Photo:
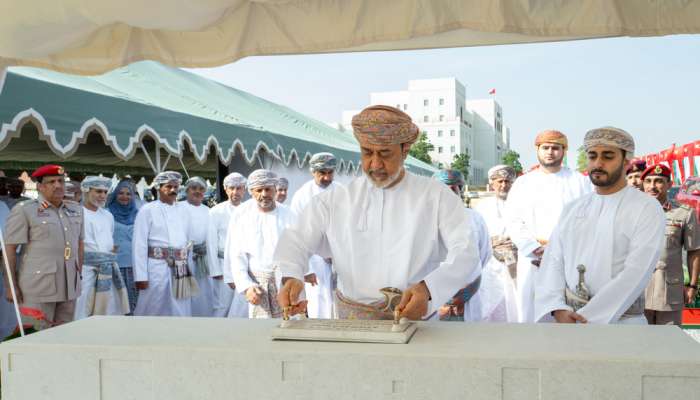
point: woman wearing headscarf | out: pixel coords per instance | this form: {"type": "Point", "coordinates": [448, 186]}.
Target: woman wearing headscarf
{"type": "Point", "coordinates": [122, 205]}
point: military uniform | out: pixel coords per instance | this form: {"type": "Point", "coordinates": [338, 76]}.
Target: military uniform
{"type": "Point", "coordinates": [664, 297]}
{"type": "Point", "coordinates": [48, 275]}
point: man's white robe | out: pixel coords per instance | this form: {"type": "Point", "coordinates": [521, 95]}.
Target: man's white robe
{"type": "Point", "coordinates": [8, 319]}
{"type": "Point", "coordinates": [497, 287]}
{"type": "Point", "coordinates": [203, 303]}
{"type": "Point", "coordinates": [158, 225]}
{"type": "Point", "coordinates": [385, 237]}
{"type": "Point", "coordinates": [532, 209]}
{"type": "Point", "coordinates": [618, 239]}
{"type": "Point", "coordinates": [472, 308]}
{"type": "Point", "coordinates": [99, 237]}
{"type": "Point", "coordinates": [227, 303]}
{"type": "Point", "coordinates": [320, 296]}
{"type": "Point", "coordinates": [252, 238]}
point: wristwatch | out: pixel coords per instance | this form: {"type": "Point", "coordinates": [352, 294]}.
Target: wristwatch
{"type": "Point", "coordinates": [692, 286]}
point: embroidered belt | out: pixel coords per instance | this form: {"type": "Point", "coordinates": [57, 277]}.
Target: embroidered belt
{"type": "Point", "coordinates": [167, 253]}
{"type": "Point", "coordinates": [577, 302]}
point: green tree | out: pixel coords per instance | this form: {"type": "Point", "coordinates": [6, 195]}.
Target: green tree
{"type": "Point", "coordinates": [422, 148]}
{"type": "Point", "coordinates": [460, 162]}
{"type": "Point", "coordinates": [581, 160]}
{"type": "Point", "coordinates": [512, 158]}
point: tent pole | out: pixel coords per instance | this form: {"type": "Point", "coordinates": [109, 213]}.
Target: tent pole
{"type": "Point", "coordinates": [11, 284]}
{"type": "Point", "coordinates": [165, 164]}
{"type": "Point", "coordinates": [187, 174]}
{"type": "Point", "coordinates": [158, 159]}
{"type": "Point", "coordinates": [148, 158]}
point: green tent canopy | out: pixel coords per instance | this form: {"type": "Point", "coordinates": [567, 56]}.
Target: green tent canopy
{"type": "Point", "coordinates": [148, 117]}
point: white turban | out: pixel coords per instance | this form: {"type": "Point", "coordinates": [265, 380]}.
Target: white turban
{"type": "Point", "coordinates": [196, 181]}
{"type": "Point", "coordinates": [322, 161]}
{"type": "Point", "coordinates": [261, 178]}
{"type": "Point", "coordinates": [502, 171]}
{"type": "Point", "coordinates": [95, 182]}
{"type": "Point", "coordinates": [282, 183]}
{"type": "Point", "coordinates": [166, 177]}
{"type": "Point", "coordinates": [609, 136]}
{"type": "Point", "coordinates": [234, 179]}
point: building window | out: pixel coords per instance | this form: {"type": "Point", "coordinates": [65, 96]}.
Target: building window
{"type": "Point", "coordinates": [452, 132]}
{"type": "Point", "coordinates": [440, 149]}
{"type": "Point", "coordinates": [405, 107]}
{"type": "Point", "coordinates": [442, 102]}
{"type": "Point", "coordinates": [452, 149]}
{"type": "Point", "coordinates": [425, 118]}
{"type": "Point", "coordinates": [398, 106]}
{"type": "Point", "coordinates": [442, 118]}
{"type": "Point", "coordinates": [425, 102]}
{"type": "Point", "coordinates": [439, 133]}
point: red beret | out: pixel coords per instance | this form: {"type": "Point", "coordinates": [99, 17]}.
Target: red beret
{"type": "Point", "coordinates": [637, 166]}
{"type": "Point", "coordinates": [47, 170]}
{"type": "Point", "coordinates": [657, 170]}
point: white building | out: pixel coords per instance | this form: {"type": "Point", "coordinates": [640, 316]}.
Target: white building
{"type": "Point", "coordinates": [440, 109]}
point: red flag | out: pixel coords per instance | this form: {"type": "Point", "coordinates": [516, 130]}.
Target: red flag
{"type": "Point", "coordinates": [492, 91]}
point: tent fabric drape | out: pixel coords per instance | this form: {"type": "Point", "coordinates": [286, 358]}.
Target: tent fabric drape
{"type": "Point", "coordinates": [108, 120]}
{"type": "Point", "coordinates": [88, 37]}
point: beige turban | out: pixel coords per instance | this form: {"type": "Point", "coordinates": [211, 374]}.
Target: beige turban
{"type": "Point", "coordinates": [261, 178]}
{"type": "Point", "coordinates": [502, 171]}
{"type": "Point", "coordinates": [551, 136]}
{"type": "Point", "coordinates": [609, 136]}
{"type": "Point", "coordinates": [383, 125]}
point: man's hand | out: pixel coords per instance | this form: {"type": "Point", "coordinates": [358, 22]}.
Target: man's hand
{"type": "Point", "coordinates": [538, 252]}
{"type": "Point", "coordinates": [8, 294]}
{"type": "Point", "coordinates": [252, 294]}
{"type": "Point", "coordinates": [218, 277]}
{"type": "Point", "coordinates": [414, 302]}
{"type": "Point", "coordinates": [289, 296]}
{"type": "Point", "coordinates": [232, 285]}
{"type": "Point", "coordinates": [690, 293]}
{"type": "Point", "coordinates": [568, 317]}
{"type": "Point", "coordinates": [311, 278]}
{"type": "Point", "coordinates": [142, 285]}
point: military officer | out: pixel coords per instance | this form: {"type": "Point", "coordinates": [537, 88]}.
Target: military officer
{"type": "Point", "coordinates": [50, 232]}
{"type": "Point", "coordinates": [665, 295]}
{"type": "Point", "coordinates": [634, 173]}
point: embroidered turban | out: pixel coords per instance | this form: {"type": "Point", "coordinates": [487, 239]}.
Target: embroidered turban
{"type": "Point", "coordinates": [234, 179]}
{"type": "Point", "coordinates": [261, 178]}
{"type": "Point", "coordinates": [95, 182]}
{"type": "Point", "coordinates": [384, 125]}
{"type": "Point", "coordinates": [551, 136]}
{"type": "Point", "coordinates": [282, 183]}
{"type": "Point", "coordinates": [167, 177]}
{"type": "Point", "coordinates": [449, 177]}
{"type": "Point", "coordinates": [322, 161]}
{"type": "Point", "coordinates": [636, 166]}
{"type": "Point", "coordinates": [609, 136]}
{"type": "Point", "coordinates": [502, 171]}
{"type": "Point", "coordinates": [196, 181]}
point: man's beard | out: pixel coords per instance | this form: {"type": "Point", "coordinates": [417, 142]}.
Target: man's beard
{"type": "Point", "coordinates": [503, 195]}
{"type": "Point", "coordinates": [555, 163]}
{"type": "Point", "coordinates": [613, 178]}
{"type": "Point", "coordinates": [97, 204]}
{"type": "Point", "coordinates": [266, 204]}
{"type": "Point", "coordinates": [387, 182]}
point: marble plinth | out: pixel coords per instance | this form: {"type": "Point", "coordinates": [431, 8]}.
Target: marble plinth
{"type": "Point", "coordinates": [126, 358]}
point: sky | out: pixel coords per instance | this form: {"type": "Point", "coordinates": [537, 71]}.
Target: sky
{"type": "Point", "coordinates": [647, 86]}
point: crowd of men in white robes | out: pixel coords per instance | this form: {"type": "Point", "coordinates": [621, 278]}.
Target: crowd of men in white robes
{"type": "Point", "coordinates": [550, 245]}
